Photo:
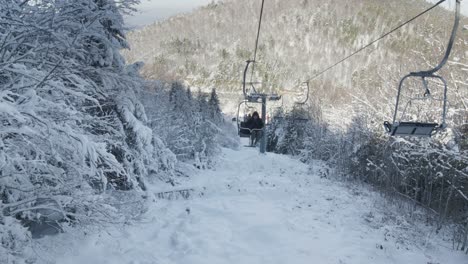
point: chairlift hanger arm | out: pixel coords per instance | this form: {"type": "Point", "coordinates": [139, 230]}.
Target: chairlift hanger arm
{"type": "Point", "coordinates": [258, 38]}
{"type": "Point", "coordinates": [244, 81]}
{"type": "Point", "coordinates": [254, 96]}
{"type": "Point", "coordinates": [307, 94]}
{"type": "Point", "coordinates": [449, 46]}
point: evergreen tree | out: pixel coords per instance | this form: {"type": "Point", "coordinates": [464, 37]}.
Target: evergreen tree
{"type": "Point", "coordinates": [178, 96]}
{"type": "Point", "coordinates": [214, 108]}
{"type": "Point", "coordinates": [202, 104]}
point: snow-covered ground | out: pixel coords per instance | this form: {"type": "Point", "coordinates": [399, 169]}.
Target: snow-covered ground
{"type": "Point", "coordinates": [266, 209]}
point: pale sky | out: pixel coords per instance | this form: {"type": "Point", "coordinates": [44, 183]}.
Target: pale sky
{"type": "Point", "coordinates": [156, 10]}
{"type": "Point", "coordinates": [450, 4]}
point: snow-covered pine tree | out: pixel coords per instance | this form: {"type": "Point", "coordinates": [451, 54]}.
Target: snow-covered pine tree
{"type": "Point", "coordinates": [275, 131]}
{"type": "Point", "coordinates": [202, 103]}
{"type": "Point", "coordinates": [214, 108]}
{"type": "Point", "coordinates": [186, 127]}
{"type": "Point", "coordinates": [71, 127]}
{"type": "Point", "coordinates": [181, 137]}
{"type": "Point", "coordinates": [207, 131]}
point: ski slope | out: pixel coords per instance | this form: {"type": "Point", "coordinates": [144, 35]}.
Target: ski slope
{"type": "Point", "coordinates": [265, 209]}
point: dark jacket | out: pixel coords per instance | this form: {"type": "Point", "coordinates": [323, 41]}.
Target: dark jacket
{"type": "Point", "coordinates": [255, 123]}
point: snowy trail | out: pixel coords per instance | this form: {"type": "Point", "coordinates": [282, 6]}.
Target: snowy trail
{"type": "Point", "coordinates": [262, 209]}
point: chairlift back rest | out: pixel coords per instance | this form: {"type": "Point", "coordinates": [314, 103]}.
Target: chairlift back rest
{"type": "Point", "coordinates": [274, 97]}
{"type": "Point", "coordinates": [243, 130]}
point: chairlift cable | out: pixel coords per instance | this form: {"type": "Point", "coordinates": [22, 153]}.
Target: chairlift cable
{"type": "Point", "coordinates": [376, 40]}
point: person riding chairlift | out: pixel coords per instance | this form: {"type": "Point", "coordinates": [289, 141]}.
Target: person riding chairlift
{"type": "Point", "coordinates": [255, 124]}
{"type": "Point", "coordinates": [247, 117]}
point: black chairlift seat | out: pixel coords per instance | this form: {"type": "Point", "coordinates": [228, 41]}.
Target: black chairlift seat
{"type": "Point", "coordinates": [274, 97]}
{"type": "Point", "coordinates": [301, 119]}
{"type": "Point", "coordinates": [412, 129]}
{"type": "Point", "coordinates": [243, 131]}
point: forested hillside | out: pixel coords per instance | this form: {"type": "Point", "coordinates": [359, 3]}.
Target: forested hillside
{"type": "Point", "coordinates": [208, 48]}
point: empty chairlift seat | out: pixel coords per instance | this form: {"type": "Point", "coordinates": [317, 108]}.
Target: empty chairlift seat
{"type": "Point", "coordinates": [412, 129]}
{"type": "Point", "coordinates": [422, 129]}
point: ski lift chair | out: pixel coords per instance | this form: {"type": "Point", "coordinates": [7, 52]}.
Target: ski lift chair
{"type": "Point", "coordinates": [304, 116]}
{"type": "Point", "coordinates": [400, 127]}
{"type": "Point", "coordinates": [242, 128]}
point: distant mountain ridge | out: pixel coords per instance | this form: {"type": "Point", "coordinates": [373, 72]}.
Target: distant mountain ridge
{"type": "Point", "coordinates": [208, 47]}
